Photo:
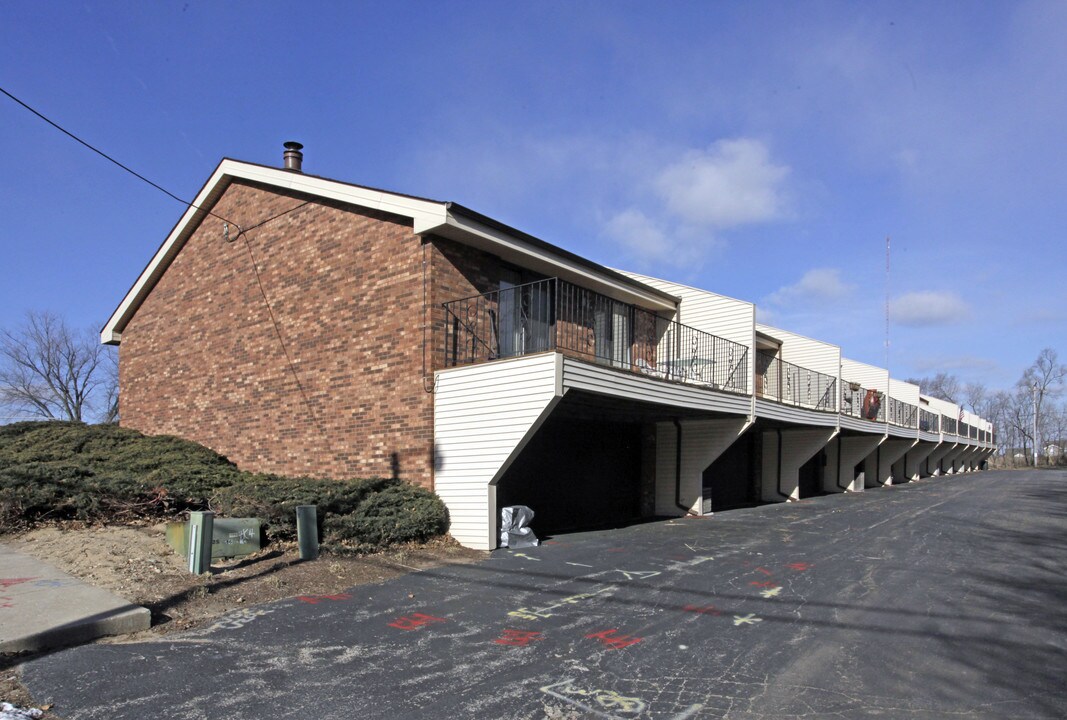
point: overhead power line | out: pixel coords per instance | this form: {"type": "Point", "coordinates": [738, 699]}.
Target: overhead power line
{"type": "Point", "coordinates": [107, 157]}
{"type": "Point", "coordinates": [241, 233]}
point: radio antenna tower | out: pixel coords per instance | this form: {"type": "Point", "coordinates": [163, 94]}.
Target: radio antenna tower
{"type": "Point", "coordinates": [887, 303]}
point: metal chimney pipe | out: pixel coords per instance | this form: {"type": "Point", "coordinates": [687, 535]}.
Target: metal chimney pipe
{"type": "Point", "coordinates": [293, 157]}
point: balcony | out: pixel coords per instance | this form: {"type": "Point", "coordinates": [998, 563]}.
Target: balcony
{"type": "Point", "coordinates": [558, 316]}
{"type": "Point", "coordinates": [929, 421]}
{"type": "Point", "coordinates": [863, 403]}
{"type": "Point", "coordinates": [785, 382]}
{"type": "Point", "coordinates": [902, 414]}
{"type": "Point", "coordinates": [948, 425]}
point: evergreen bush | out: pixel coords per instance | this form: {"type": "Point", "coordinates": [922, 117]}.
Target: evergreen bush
{"type": "Point", "coordinates": [104, 473]}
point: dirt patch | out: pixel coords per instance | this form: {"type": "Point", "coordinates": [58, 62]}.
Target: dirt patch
{"type": "Point", "coordinates": [136, 563]}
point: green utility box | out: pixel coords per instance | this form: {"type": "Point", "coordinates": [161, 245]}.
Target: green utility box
{"type": "Point", "coordinates": [231, 537]}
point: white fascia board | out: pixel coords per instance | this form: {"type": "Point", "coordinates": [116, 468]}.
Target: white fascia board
{"type": "Point", "coordinates": [111, 335]}
{"type": "Point", "coordinates": [423, 214]}
{"type": "Point", "coordinates": [471, 232]}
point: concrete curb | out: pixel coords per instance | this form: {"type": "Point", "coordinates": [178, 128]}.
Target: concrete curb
{"type": "Point", "coordinates": [42, 607]}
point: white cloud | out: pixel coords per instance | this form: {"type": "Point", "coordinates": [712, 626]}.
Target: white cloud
{"type": "Point", "coordinates": [731, 183]}
{"type": "Point", "coordinates": [818, 287]}
{"type": "Point", "coordinates": [638, 234]}
{"type": "Point", "coordinates": [928, 308]}
{"type": "Point", "coordinates": [694, 198]}
{"type": "Point", "coordinates": [647, 242]}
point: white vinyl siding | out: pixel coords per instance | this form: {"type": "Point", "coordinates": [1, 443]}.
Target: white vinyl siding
{"type": "Point", "coordinates": [854, 449]}
{"type": "Point", "coordinates": [605, 381]}
{"type": "Point", "coordinates": [702, 442]}
{"type": "Point", "coordinates": [483, 416]}
{"type": "Point", "coordinates": [904, 391]}
{"type": "Point", "coordinates": [716, 314]}
{"type": "Point", "coordinates": [771, 410]}
{"type": "Point", "coordinates": [805, 352]}
{"type": "Point", "coordinates": [798, 446]}
{"type": "Point", "coordinates": [869, 376]}
{"type": "Point", "coordinates": [947, 409]}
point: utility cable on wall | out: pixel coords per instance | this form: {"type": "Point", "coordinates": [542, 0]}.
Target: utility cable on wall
{"type": "Point", "coordinates": [241, 233]}
{"type": "Point", "coordinates": [277, 327]}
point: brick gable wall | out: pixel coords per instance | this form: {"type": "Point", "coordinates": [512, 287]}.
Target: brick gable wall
{"type": "Point", "coordinates": [202, 359]}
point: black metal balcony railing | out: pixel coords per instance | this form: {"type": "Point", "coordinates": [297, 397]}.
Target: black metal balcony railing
{"type": "Point", "coordinates": [902, 414]}
{"type": "Point", "coordinates": [929, 421]}
{"type": "Point", "coordinates": [557, 315]}
{"type": "Point", "coordinates": [785, 382]}
{"type": "Point", "coordinates": [948, 425]}
{"type": "Point", "coordinates": [860, 402]}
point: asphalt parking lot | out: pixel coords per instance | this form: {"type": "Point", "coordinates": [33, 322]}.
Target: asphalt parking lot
{"type": "Point", "coordinates": [942, 597]}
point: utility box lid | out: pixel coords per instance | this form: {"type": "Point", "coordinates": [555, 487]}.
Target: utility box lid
{"type": "Point", "coordinates": [230, 537]}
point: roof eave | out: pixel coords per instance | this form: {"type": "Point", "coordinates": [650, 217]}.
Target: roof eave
{"type": "Point", "coordinates": [427, 216]}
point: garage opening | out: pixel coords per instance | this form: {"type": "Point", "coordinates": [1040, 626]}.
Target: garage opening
{"type": "Point", "coordinates": [577, 473]}
{"type": "Point", "coordinates": [811, 475]}
{"type": "Point", "coordinates": [899, 470]}
{"type": "Point", "coordinates": [730, 481]}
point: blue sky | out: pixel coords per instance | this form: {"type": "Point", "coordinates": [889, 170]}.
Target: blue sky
{"type": "Point", "coordinates": [761, 150]}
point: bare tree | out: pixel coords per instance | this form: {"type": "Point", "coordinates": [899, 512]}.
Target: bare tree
{"type": "Point", "coordinates": [1042, 380]}
{"type": "Point", "coordinates": [998, 412]}
{"type": "Point", "coordinates": [49, 371]}
{"type": "Point", "coordinates": [109, 390]}
{"type": "Point", "coordinates": [1020, 420]}
{"type": "Point", "coordinates": [976, 398]}
{"type": "Point", "coordinates": [944, 386]}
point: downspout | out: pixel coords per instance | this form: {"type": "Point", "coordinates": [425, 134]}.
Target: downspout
{"type": "Point", "coordinates": [778, 483]}
{"type": "Point", "coordinates": [678, 468]}
{"type": "Point", "coordinates": [844, 488]}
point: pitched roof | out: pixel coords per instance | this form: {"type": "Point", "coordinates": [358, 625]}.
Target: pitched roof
{"type": "Point", "coordinates": [436, 217]}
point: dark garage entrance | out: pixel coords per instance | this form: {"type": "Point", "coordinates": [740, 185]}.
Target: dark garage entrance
{"type": "Point", "coordinates": [579, 471]}
{"type": "Point", "coordinates": [811, 475]}
{"type": "Point", "coordinates": [731, 481]}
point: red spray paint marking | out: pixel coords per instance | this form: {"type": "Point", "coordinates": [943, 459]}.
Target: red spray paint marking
{"type": "Point", "coordinates": [616, 642]}
{"type": "Point", "coordinates": [702, 609]}
{"type": "Point", "coordinates": [6, 602]}
{"type": "Point", "coordinates": [414, 621]}
{"type": "Point", "coordinates": [517, 638]}
{"type": "Point", "coordinates": [316, 599]}
{"type": "Point", "coordinates": [764, 584]}
{"type": "Point", "coordinates": [799, 566]}
{"type": "Point", "coordinates": [5, 583]}
{"type": "Point", "coordinates": [763, 570]}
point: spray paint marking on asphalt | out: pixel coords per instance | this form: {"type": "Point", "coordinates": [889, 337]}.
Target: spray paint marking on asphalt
{"type": "Point", "coordinates": [415, 621]}
{"type": "Point", "coordinates": [316, 599]}
{"type": "Point", "coordinates": [517, 638]}
{"type": "Point", "coordinates": [613, 641]}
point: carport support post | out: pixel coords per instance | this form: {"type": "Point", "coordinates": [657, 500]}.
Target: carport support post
{"type": "Point", "coordinates": [307, 531]}
{"type": "Point", "coordinates": [201, 529]}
